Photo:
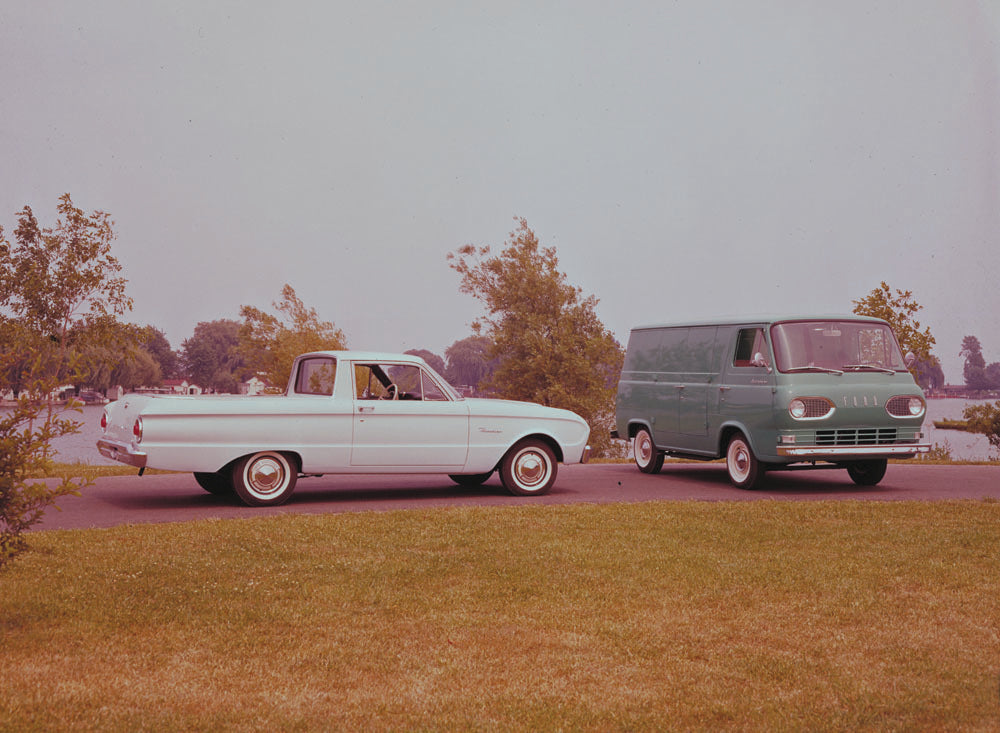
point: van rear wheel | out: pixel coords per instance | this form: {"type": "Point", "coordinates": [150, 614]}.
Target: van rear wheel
{"type": "Point", "coordinates": [647, 458]}
{"type": "Point", "coordinates": [745, 471]}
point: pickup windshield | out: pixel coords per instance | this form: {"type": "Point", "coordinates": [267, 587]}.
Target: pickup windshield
{"type": "Point", "coordinates": [835, 346]}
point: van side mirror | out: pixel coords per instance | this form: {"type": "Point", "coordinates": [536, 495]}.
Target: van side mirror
{"type": "Point", "coordinates": [910, 359]}
{"type": "Point", "coordinates": [760, 361]}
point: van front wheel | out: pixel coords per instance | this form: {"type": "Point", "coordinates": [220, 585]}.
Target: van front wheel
{"type": "Point", "coordinates": [647, 458]}
{"type": "Point", "coordinates": [745, 471]}
{"type": "Point", "coordinates": [867, 473]}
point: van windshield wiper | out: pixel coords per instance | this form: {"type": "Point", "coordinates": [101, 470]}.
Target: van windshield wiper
{"type": "Point", "coordinates": [872, 367]}
{"type": "Point", "coordinates": [813, 368]}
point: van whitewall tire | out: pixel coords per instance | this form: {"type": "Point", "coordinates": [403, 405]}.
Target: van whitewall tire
{"type": "Point", "coordinates": [647, 457]}
{"type": "Point", "coordinates": [745, 471]}
{"type": "Point", "coordinates": [264, 479]}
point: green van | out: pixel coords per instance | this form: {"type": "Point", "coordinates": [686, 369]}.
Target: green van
{"type": "Point", "coordinates": [770, 394]}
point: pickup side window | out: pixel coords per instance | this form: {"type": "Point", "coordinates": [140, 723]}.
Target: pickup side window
{"type": "Point", "coordinates": [750, 341]}
{"type": "Point", "coordinates": [395, 382]}
{"type": "Point", "coordinates": [316, 376]}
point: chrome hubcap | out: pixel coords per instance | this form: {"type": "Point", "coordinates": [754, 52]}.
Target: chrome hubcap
{"type": "Point", "coordinates": [266, 475]}
{"type": "Point", "coordinates": [530, 469]}
{"type": "Point", "coordinates": [739, 460]}
{"type": "Point", "coordinates": [644, 449]}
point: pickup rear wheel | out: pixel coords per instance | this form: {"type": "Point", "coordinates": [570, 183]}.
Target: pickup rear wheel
{"type": "Point", "coordinates": [264, 479]}
{"type": "Point", "coordinates": [745, 471]}
{"type": "Point", "coordinates": [647, 458]}
{"type": "Point", "coordinates": [529, 468]}
{"type": "Point", "coordinates": [215, 483]}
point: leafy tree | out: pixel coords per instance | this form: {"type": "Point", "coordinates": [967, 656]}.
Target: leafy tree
{"type": "Point", "coordinates": [549, 344]}
{"type": "Point", "coordinates": [469, 361]}
{"type": "Point", "coordinates": [211, 358]}
{"type": "Point", "coordinates": [269, 343]}
{"type": "Point", "coordinates": [433, 360]}
{"type": "Point", "coordinates": [60, 290]}
{"type": "Point", "coordinates": [985, 419]}
{"type": "Point", "coordinates": [900, 310]}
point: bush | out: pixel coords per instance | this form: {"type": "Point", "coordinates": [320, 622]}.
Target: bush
{"type": "Point", "coordinates": [25, 433]}
{"type": "Point", "coordinates": [985, 419]}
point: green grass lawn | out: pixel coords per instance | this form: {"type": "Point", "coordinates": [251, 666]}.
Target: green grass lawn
{"type": "Point", "coordinates": [742, 616]}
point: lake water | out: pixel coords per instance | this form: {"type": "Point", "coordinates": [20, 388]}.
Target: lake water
{"type": "Point", "coordinates": [963, 446]}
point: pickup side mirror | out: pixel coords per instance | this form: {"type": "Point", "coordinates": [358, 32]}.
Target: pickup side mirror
{"type": "Point", "coordinates": [910, 359]}
{"type": "Point", "coordinates": [760, 361]}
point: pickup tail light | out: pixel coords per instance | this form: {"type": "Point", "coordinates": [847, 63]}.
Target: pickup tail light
{"type": "Point", "coordinates": [137, 430]}
{"type": "Point", "coordinates": [104, 421]}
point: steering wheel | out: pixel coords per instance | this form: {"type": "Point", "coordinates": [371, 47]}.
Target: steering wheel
{"type": "Point", "coordinates": [391, 392]}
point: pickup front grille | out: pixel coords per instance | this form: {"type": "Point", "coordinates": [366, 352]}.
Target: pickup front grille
{"type": "Point", "coordinates": [859, 436]}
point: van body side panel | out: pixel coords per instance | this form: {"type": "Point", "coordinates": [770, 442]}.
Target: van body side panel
{"type": "Point", "coordinates": [699, 371]}
{"type": "Point", "coordinates": [646, 396]}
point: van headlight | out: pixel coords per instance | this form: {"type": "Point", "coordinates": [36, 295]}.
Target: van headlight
{"type": "Point", "coordinates": [916, 406]}
{"type": "Point", "coordinates": [810, 408]}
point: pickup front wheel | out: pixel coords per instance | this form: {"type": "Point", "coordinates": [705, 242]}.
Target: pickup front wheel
{"type": "Point", "coordinates": [264, 479]}
{"type": "Point", "coordinates": [529, 468]}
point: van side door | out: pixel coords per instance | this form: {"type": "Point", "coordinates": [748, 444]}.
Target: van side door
{"type": "Point", "coordinates": [746, 395]}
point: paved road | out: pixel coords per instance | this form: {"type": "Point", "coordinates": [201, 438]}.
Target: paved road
{"type": "Point", "coordinates": [177, 498]}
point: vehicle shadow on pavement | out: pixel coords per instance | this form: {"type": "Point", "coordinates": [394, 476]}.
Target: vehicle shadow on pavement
{"type": "Point", "coordinates": [811, 482]}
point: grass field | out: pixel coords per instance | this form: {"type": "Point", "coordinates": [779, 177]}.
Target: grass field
{"type": "Point", "coordinates": [693, 616]}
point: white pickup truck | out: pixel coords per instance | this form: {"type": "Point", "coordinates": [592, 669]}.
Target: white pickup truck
{"type": "Point", "coordinates": [344, 412]}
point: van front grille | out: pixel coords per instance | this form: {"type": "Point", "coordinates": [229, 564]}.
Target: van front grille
{"type": "Point", "coordinates": [859, 436]}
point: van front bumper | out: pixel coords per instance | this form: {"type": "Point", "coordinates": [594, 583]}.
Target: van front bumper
{"type": "Point", "coordinates": [121, 452]}
{"type": "Point", "coordinates": [849, 451]}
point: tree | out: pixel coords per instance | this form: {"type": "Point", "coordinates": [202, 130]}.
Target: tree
{"type": "Point", "coordinates": [549, 344]}
{"type": "Point", "coordinates": [469, 361]}
{"type": "Point", "coordinates": [155, 342]}
{"type": "Point", "coordinates": [900, 311]}
{"type": "Point", "coordinates": [433, 360]}
{"type": "Point", "coordinates": [975, 372]}
{"type": "Point", "coordinates": [211, 357]}
{"type": "Point", "coordinates": [269, 343]}
{"type": "Point", "coordinates": [60, 290]}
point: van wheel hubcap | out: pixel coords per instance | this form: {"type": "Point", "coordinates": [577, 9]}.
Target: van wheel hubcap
{"type": "Point", "coordinates": [739, 460]}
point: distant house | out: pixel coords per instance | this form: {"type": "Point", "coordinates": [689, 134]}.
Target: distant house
{"type": "Point", "coordinates": [180, 386]}
{"type": "Point", "coordinates": [254, 386]}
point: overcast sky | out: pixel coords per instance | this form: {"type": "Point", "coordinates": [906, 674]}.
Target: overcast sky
{"type": "Point", "coordinates": [686, 159]}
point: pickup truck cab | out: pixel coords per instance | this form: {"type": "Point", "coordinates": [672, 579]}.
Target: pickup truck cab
{"type": "Point", "coordinates": [344, 412]}
{"type": "Point", "coordinates": [771, 393]}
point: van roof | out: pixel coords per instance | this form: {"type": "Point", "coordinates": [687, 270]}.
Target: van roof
{"type": "Point", "coordinates": [761, 320]}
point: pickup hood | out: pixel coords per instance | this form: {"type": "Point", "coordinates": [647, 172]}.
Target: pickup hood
{"type": "Point", "coordinates": [481, 407]}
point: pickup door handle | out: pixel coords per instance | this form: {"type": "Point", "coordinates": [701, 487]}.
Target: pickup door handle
{"type": "Point", "coordinates": [363, 409]}
{"type": "Point", "coordinates": [724, 389]}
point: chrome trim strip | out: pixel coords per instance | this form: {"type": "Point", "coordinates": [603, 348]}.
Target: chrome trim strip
{"type": "Point", "coordinates": [820, 451]}
{"type": "Point", "coordinates": [121, 452]}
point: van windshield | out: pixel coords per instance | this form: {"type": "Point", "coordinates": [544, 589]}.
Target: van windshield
{"type": "Point", "coordinates": [835, 346]}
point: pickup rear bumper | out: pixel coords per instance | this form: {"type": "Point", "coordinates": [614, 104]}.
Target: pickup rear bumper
{"type": "Point", "coordinates": [121, 452]}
